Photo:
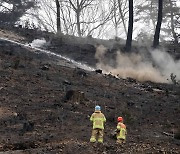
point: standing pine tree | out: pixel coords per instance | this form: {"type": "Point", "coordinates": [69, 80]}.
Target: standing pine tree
{"type": "Point", "coordinates": [130, 27]}
{"type": "Point", "coordinates": [158, 25]}
{"type": "Point", "coordinates": [148, 13]}
{"type": "Point", "coordinates": [58, 16]}
{"type": "Point", "coordinates": [12, 10]}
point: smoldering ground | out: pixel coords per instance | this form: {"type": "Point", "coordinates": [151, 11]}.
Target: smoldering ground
{"type": "Point", "coordinates": [158, 68]}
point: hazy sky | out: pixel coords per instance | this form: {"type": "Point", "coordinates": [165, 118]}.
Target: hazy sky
{"type": "Point", "coordinates": [109, 31]}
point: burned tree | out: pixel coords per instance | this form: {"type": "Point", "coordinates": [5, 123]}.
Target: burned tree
{"type": "Point", "coordinates": [130, 27]}
{"type": "Point", "coordinates": [158, 25]}
{"type": "Point", "coordinates": [58, 16]}
{"type": "Point", "coordinates": [75, 96]}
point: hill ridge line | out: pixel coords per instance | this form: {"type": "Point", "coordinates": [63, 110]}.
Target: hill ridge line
{"type": "Point", "coordinates": [77, 64]}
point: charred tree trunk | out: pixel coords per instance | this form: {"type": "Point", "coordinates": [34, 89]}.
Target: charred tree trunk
{"type": "Point", "coordinates": [130, 27]}
{"type": "Point", "coordinates": [158, 25]}
{"type": "Point", "coordinates": [78, 23]}
{"type": "Point", "coordinates": [58, 17]}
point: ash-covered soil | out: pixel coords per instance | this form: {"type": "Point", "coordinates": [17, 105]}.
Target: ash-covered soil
{"type": "Point", "coordinates": [36, 117]}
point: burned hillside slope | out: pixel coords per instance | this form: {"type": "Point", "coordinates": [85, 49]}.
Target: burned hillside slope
{"type": "Point", "coordinates": [37, 117]}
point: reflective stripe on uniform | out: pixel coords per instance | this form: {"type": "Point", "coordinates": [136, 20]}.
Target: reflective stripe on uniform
{"type": "Point", "coordinates": [100, 140]}
{"type": "Point", "coordinates": [122, 133]}
{"type": "Point", "coordinates": [93, 139]}
{"type": "Point", "coordinates": [98, 120]}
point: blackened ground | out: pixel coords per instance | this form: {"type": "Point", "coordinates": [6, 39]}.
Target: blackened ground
{"type": "Point", "coordinates": [35, 118]}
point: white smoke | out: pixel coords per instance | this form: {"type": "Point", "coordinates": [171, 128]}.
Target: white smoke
{"type": "Point", "coordinates": [38, 43]}
{"type": "Point", "coordinates": [136, 66]}
{"type": "Point", "coordinates": [101, 50]}
{"type": "Point", "coordinates": [166, 63]}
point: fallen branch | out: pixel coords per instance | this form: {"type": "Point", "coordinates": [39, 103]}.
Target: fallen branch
{"type": "Point", "coordinates": [168, 134]}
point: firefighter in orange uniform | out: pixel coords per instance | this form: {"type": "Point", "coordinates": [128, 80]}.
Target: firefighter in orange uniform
{"type": "Point", "coordinates": [98, 119]}
{"type": "Point", "coordinates": [121, 131]}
